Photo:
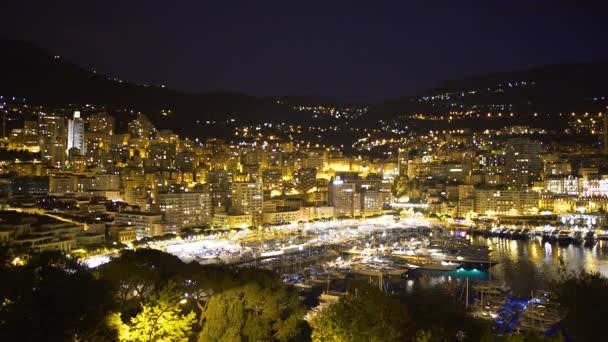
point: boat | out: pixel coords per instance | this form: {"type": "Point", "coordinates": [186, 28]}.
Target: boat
{"type": "Point", "coordinates": [377, 269]}
{"type": "Point", "coordinates": [590, 238]}
{"type": "Point", "coordinates": [504, 232]}
{"type": "Point", "coordinates": [552, 236]}
{"type": "Point", "coordinates": [577, 237]}
{"type": "Point", "coordinates": [564, 236]}
{"type": "Point", "coordinates": [525, 234]}
{"type": "Point", "coordinates": [437, 266]}
{"type": "Point", "coordinates": [491, 232]}
{"type": "Point", "coordinates": [601, 234]}
{"type": "Point", "coordinates": [515, 233]}
{"type": "Point", "coordinates": [539, 317]}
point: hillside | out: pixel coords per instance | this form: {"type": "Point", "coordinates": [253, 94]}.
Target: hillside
{"type": "Point", "coordinates": [552, 89]}
{"type": "Point", "coordinates": [42, 78]}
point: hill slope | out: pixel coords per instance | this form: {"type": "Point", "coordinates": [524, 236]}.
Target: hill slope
{"type": "Point", "coordinates": [33, 73]}
{"type": "Point", "coordinates": [553, 89]}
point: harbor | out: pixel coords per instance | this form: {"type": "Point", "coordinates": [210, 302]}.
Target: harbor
{"type": "Point", "coordinates": [502, 274]}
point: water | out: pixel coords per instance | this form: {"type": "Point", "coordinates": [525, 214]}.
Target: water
{"type": "Point", "coordinates": [546, 261]}
{"type": "Point", "coordinates": [524, 264]}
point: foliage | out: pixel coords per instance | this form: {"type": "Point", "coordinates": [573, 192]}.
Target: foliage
{"type": "Point", "coordinates": [412, 188]}
{"type": "Point", "coordinates": [261, 309]}
{"type": "Point", "coordinates": [160, 319]}
{"type": "Point", "coordinates": [584, 299]}
{"type": "Point", "coordinates": [135, 274]}
{"type": "Point", "coordinates": [490, 336]}
{"type": "Point", "coordinates": [53, 298]}
{"type": "Point", "coordinates": [522, 277]}
{"type": "Point", "coordinates": [423, 336]}
{"type": "Point", "coordinates": [165, 237]}
{"type": "Point", "coordinates": [368, 315]}
{"type": "Point", "coordinates": [440, 314]}
{"type": "Point", "coordinates": [5, 257]}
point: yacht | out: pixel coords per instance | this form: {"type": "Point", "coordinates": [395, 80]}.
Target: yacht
{"type": "Point", "coordinates": [564, 236]}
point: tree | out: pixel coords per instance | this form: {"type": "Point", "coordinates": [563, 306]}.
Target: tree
{"type": "Point", "coordinates": [367, 315]}
{"type": "Point", "coordinates": [160, 318]}
{"type": "Point", "coordinates": [490, 336]}
{"type": "Point", "coordinates": [53, 298]}
{"type": "Point", "coordinates": [135, 274]}
{"type": "Point", "coordinates": [262, 308]}
{"type": "Point", "coordinates": [423, 336]}
{"type": "Point", "coordinates": [522, 277]}
{"type": "Point", "coordinates": [584, 299]}
{"type": "Point", "coordinates": [202, 282]}
{"type": "Point", "coordinates": [442, 316]}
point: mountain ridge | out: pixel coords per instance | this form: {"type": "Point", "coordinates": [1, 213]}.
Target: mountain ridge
{"type": "Point", "coordinates": [42, 78]}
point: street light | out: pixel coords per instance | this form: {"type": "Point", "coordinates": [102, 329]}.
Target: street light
{"type": "Point", "coordinates": [181, 302]}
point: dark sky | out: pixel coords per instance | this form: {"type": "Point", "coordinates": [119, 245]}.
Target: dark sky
{"type": "Point", "coordinates": [361, 50]}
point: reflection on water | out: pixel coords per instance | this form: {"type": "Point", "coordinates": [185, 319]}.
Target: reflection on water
{"type": "Point", "coordinates": [548, 259]}
{"type": "Point", "coordinates": [523, 266]}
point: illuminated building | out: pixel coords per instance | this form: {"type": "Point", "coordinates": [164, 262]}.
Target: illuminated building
{"type": "Point", "coordinates": [316, 212]}
{"type": "Point", "coordinates": [48, 237]}
{"type": "Point", "coordinates": [53, 140]}
{"type": "Point", "coordinates": [28, 185]}
{"type": "Point", "coordinates": [522, 162]}
{"type": "Point", "coordinates": [107, 182]}
{"type": "Point", "coordinates": [227, 221]}
{"type": "Point", "coordinates": [282, 217]}
{"type": "Point", "coordinates": [146, 224]}
{"type": "Point", "coordinates": [61, 185]}
{"type": "Point", "coordinates": [305, 179]}
{"type": "Point", "coordinates": [137, 195]}
{"type": "Point", "coordinates": [53, 153]}
{"type": "Point", "coordinates": [562, 185]}
{"type": "Point", "coordinates": [122, 234]}
{"type": "Point", "coordinates": [253, 170]}
{"type": "Point", "coordinates": [595, 187]}
{"type": "Point", "coordinates": [505, 201]}
{"type": "Point", "coordinates": [247, 198]}
{"type": "Point", "coordinates": [185, 209]}
{"type": "Point", "coordinates": [167, 136]}
{"type": "Point", "coordinates": [101, 123]}
{"type": "Point", "coordinates": [161, 156]}
{"type": "Point", "coordinates": [76, 133]}
{"type": "Point", "coordinates": [371, 202]}
{"type": "Point", "coordinates": [272, 180]}
{"type": "Point", "coordinates": [558, 168]}
{"type": "Point", "coordinates": [141, 127]}
{"type": "Point", "coordinates": [343, 197]}
{"type": "Point", "coordinates": [402, 161]}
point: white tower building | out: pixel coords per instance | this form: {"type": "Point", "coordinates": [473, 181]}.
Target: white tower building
{"type": "Point", "coordinates": [76, 133]}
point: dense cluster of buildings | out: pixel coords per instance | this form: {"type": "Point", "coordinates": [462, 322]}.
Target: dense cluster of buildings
{"type": "Point", "coordinates": [472, 175]}
{"type": "Point", "coordinates": [145, 182]}
{"type": "Point", "coordinates": [158, 183]}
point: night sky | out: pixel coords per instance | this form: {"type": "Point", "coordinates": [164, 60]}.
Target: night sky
{"type": "Point", "coordinates": [356, 50]}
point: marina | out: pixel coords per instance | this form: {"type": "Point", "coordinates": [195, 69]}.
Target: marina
{"type": "Point", "coordinates": [480, 267]}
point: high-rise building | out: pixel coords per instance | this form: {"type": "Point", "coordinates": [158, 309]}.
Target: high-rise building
{"type": "Point", "coordinates": [371, 202]}
{"type": "Point", "coordinates": [503, 202]}
{"type": "Point", "coordinates": [141, 127]}
{"type": "Point", "coordinates": [305, 179]}
{"type": "Point", "coordinates": [247, 198]}
{"type": "Point", "coordinates": [101, 123]}
{"type": "Point", "coordinates": [161, 156]}
{"type": "Point", "coordinates": [185, 209]}
{"type": "Point", "coordinates": [344, 198]}
{"type": "Point", "coordinates": [522, 162]}
{"type": "Point", "coordinates": [76, 133]}
{"type": "Point", "coordinates": [402, 159]}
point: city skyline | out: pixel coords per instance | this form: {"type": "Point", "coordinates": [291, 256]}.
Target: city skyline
{"type": "Point", "coordinates": [138, 206]}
